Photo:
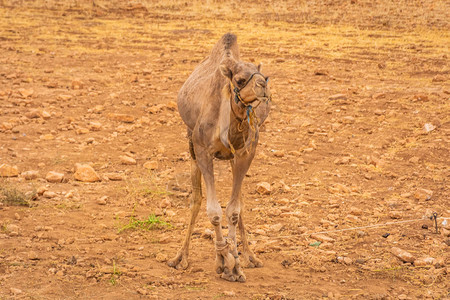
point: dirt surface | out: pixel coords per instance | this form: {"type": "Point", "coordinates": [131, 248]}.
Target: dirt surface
{"type": "Point", "coordinates": [358, 136]}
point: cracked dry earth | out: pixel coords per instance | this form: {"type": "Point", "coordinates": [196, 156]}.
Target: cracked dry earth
{"type": "Point", "coordinates": [358, 135]}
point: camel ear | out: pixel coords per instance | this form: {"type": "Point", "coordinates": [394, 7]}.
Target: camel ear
{"type": "Point", "coordinates": [226, 71]}
{"type": "Point", "coordinates": [260, 67]}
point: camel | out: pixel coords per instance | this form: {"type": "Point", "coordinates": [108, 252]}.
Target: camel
{"type": "Point", "coordinates": [223, 103]}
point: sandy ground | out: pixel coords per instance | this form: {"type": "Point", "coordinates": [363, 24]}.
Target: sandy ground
{"type": "Point", "coordinates": [358, 136]}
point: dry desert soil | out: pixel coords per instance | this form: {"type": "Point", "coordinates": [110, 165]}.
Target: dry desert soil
{"type": "Point", "coordinates": [356, 149]}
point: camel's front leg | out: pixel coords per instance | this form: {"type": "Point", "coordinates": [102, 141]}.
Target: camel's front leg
{"type": "Point", "coordinates": [226, 261]}
{"type": "Point", "coordinates": [240, 166]}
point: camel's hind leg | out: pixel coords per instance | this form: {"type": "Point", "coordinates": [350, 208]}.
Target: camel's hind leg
{"type": "Point", "coordinates": [249, 259]}
{"type": "Point", "coordinates": [180, 261]}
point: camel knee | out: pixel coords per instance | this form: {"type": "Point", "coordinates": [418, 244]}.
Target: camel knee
{"type": "Point", "coordinates": [233, 218]}
{"type": "Point", "coordinates": [214, 215]}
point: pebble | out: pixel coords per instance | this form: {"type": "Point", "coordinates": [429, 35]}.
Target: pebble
{"type": "Point", "coordinates": [423, 261]}
{"type": "Point", "coordinates": [114, 176]}
{"type": "Point", "coordinates": [423, 194]}
{"type": "Point", "coordinates": [8, 171]}
{"type": "Point", "coordinates": [395, 214]}
{"type": "Point", "coordinates": [428, 127]}
{"type": "Point", "coordinates": [322, 238]}
{"type": "Point", "coordinates": [77, 84]}
{"type": "Point", "coordinates": [165, 203]}
{"type": "Point", "coordinates": [263, 188]}
{"type": "Point", "coordinates": [151, 165]}
{"type": "Point", "coordinates": [49, 194]}
{"type": "Point", "coordinates": [161, 257]}
{"type": "Point", "coordinates": [121, 117]}
{"type": "Point", "coordinates": [54, 177]}
{"type": "Point", "coordinates": [30, 175]}
{"type": "Point", "coordinates": [403, 255]}
{"type": "Point", "coordinates": [95, 126]}
{"type": "Point", "coordinates": [32, 255]}
{"type": "Point", "coordinates": [338, 97]}
{"type": "Point", "coordinates": [102, 200]}
{"type": "Point", "coordinates": [15, 291]}
{"type": "Point", "coordinates": [85, 173]}
{"type": "Point", "coordinates": [126, 160]}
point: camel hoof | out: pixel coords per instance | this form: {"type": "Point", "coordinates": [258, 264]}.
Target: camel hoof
{"type": "Point", "coordinates": [179, 262]}
{"type": "Point", "coordinates": [250, 261]}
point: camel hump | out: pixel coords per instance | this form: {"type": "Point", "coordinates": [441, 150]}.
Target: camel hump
{"type": "Point", "coordinates": [227, 46]}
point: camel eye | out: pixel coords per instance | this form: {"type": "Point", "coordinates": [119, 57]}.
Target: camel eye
{"type": "Point", "coordinates": [240, 81]}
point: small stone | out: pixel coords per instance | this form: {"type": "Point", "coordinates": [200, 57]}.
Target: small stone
{"type": "Point", "coordinates": [102, 200]}
{"type": "Point", "coordinates": [337, 97]}
{"type": "Point", "coordinates": [32, 255]}
{"type": "Point", "coordinates": [322, 238]}
{"type": "Point", "coordinates": [114, 176]}
{"type": "Point", "coordinates": [85, 173]}
{"type": "Point", "coordinates": [15, 291]}
{"type": "Point", "coordinates": [414, 160]}
{"type": "Point", "coordinates": [95, 126]}
{"type": "Point", "coordinates": [32, 114]}
{"type": "Point", "coordinates": [421, 97]}
{"type": "Point", "coordinates": [30, 175]}
{"type": "Point", "coordinates": [54, 177]}
{"type": "Point", "coordinates": [25, 93]}
{"type": "Point", "coordinates": [121, 117]}
{"type": "Point", "coordinates": [142, 291]}
{"type": "Point", "coordinates": [423, 194]}
{"type": "Point", "coordinates": [361, 233]}
{"type": "Point", "coordinates": [263, 188]}
{"type": "Point", "coordinates": [165, 203]}
{"type": "Point", "coordinates": [47, 137]}
{"type": "Point", "coordinates": [348, 261]}
{"type": "Point", "coordinates": [423, 261]}
{"type": "Point", "coordinates": [402, 255]}
{"type": "Point", "coordinates": [98, 109]}
{"type": "Point", "coordinates": [8, 171]}
{"type": "Point", "coordinates": [348, 120]}
{"type": "Point", "coordinates": [77, 84]}
{"type": "Point", "coordinates": [17, 216]}
{"type": "Point", "coordinates": [151, 165]}
{"type": "Point", "coordinates": [428, 127]}
{"type": "Point", "coordinates": [40, 190]}
{"type": "Point", "coordinates": [45, 115]}
{"type": "Point", "coordinates": [229, 293]}
{"type": "Point", "coordinates": [395, 214]}
{"type": "Point", "coordinates": [49, 194]}
{"type": "Point", "coordinates": [278, 153]}
{"type": "Point", "coordinates": [161, 257]}
{"type": "Point", "coordinates": [126, 160]}
{"type": "Point", "coordinates": [379, 112]}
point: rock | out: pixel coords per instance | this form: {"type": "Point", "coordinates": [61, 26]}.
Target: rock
{"type": "Point", "coordinates": [102, 200]}
{"type": "Point", "coordinates": [142, 291]}
{"type": "Point", "coordinates": [161, 257]}
{"type": "Point", "coordinates": [439, 78]}
{"type": "Point", "coordinates": [30, 175]}
{"type": "Point", "coordinates": [278, 153]}
{"type": "Point", "coordinates": [15, 291]}
{"type": "Point", "coordinates": [348, 120]}
{"type": "Point", "coordinates": [230, 294]}
{"type": "Point", "coordinates": [32, 255]}
{"type": "Point", "coordinates": [322, 238]}
{"type": "Point", "coordinates": [338, 97]}
{"type": "Point", "coordinates": [414, 160]}
{"type": "Point", "coordinates": [95, 126]}
{"type": "Point", "coordinates": [64, 97]}
{"type": "Point", "coordinates": [85, 173]}
{"type": "Point", "coordinates": [151, 165]}
{"type": "Point", "coordinates": [402, 255]}
{"type": "Point", "coordinates": [165, 203]}
{"type": "Point", "coordinates": [77, 84]}
{"type": "Point", "coordinates": [121, 117]}
{"type": "Point", "coordinates": [47, 137]}
{"type": "Point", "coordinates": [423, 194]}
{"type": "Point", "coordinates": [45, 115]}
{"type": "Point", "coordinates": [41, 190]}
{"type": "Point", "coordinates": [348, 261]}
{"type": "Point", "coordinates": [395, 214]}
{"type": "Point", "coordinates": [263, 188]}
{"type": "Point", "coordinates": [423, 261]}
{"type": "Point", "coordinates": [54, 177]}
{"type": "Point", "coordinates": [428, 127]}
{"type": "Point", "coordinates": [49, 194]}
{"type": "Point", "coordinates": [126, 160]}
{"type": "Point", "coordinates": [114, 176]}
{"type": "Point", "coordinates": [421, 97]}
{"type": "Point", "coordinates": [98, 109]}
{"type": "Point", "coordinates": [8, 171]}
{"type": "Point", "coordinates": [25, 93]}
{"type": "Point", "coordinates": [379, 112]}
{"type": "Point", "coordinates": [32, 114]}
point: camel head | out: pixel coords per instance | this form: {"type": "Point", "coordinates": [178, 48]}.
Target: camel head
{"type": "Point", "coordinates": [247, 81]}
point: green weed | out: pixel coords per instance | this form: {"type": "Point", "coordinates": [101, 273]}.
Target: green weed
{"type": "Point", "coordinates": [151, 223]}
{"type": "Point", "coordinates": [115, 274]}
